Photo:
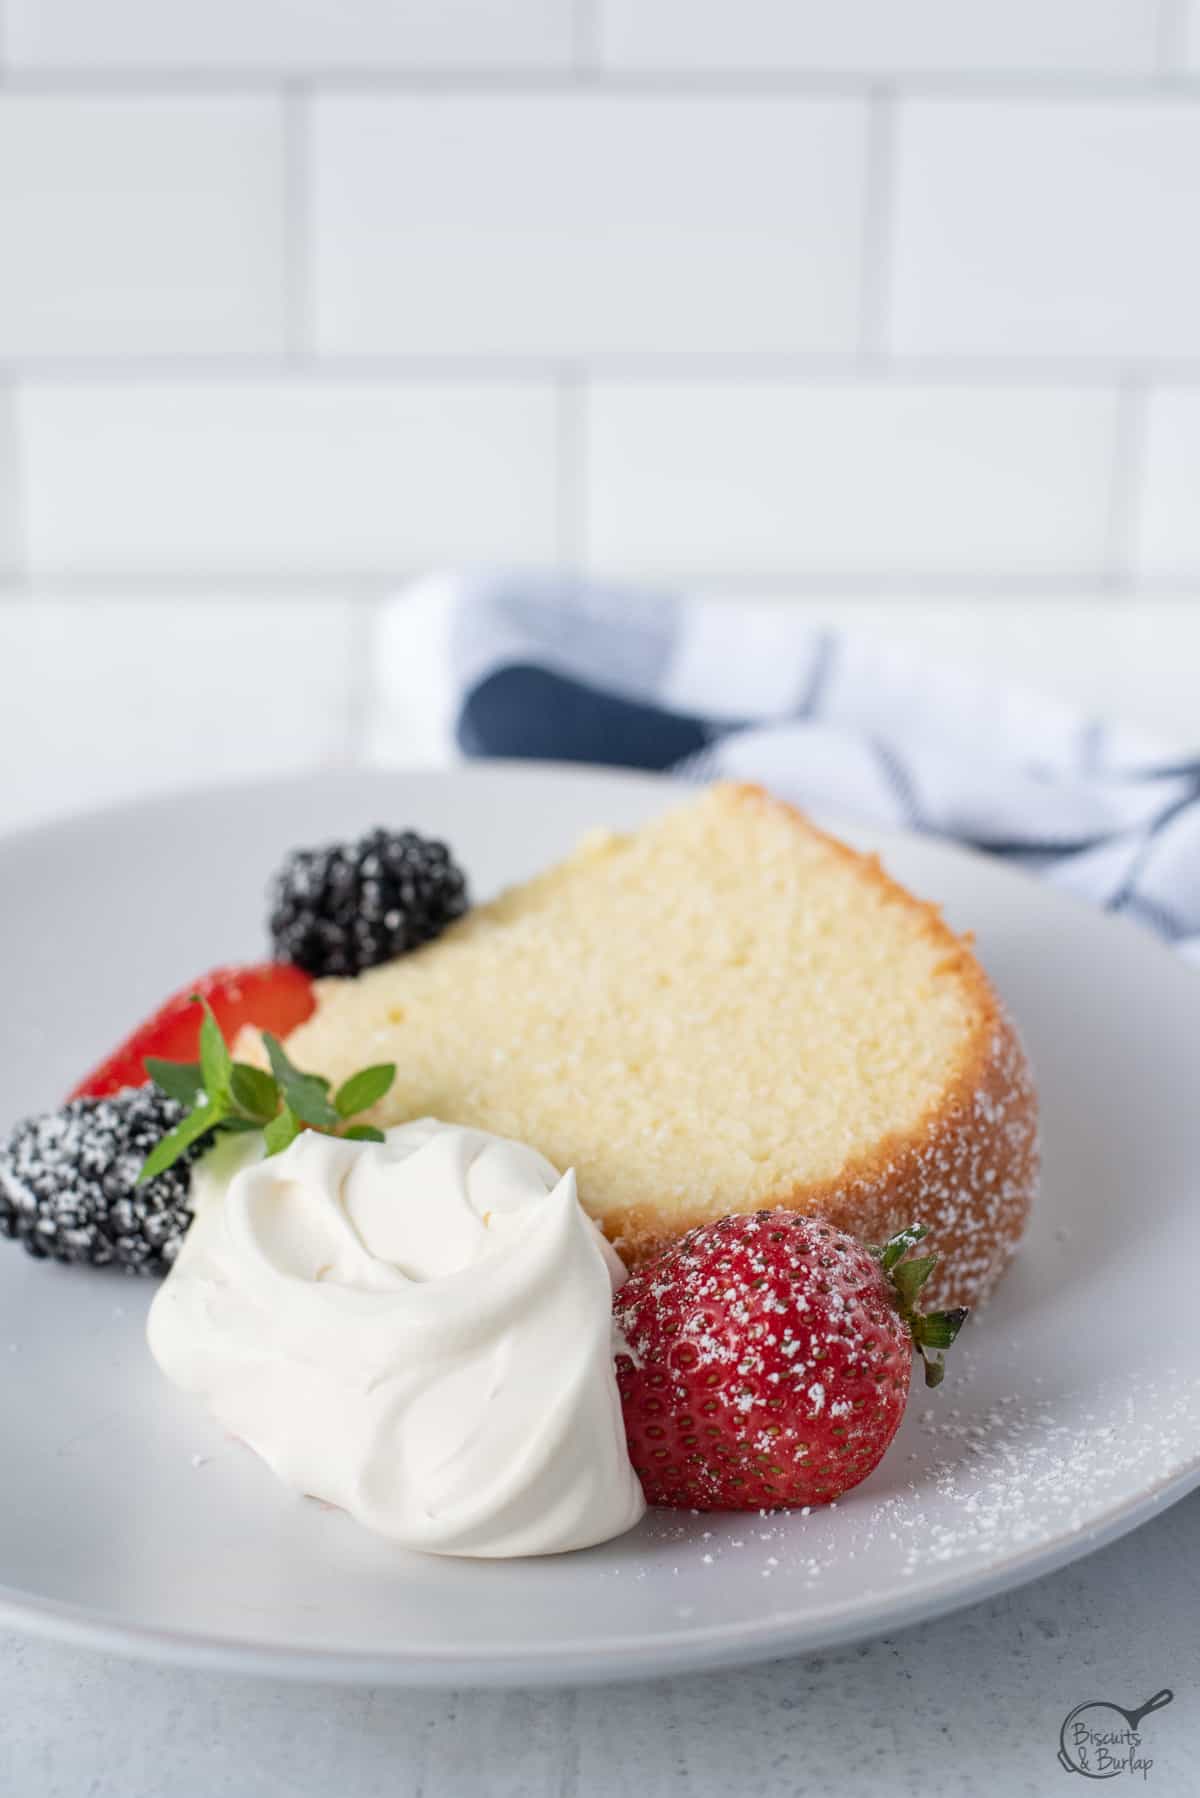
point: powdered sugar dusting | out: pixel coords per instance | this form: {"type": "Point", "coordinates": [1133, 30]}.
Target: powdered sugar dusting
{"type": "Point", "coordinates": [967, 1485]}
{"type": "Point", "coordinates": [971, 1182]}
{"type": "Point", "coordinates": [747, 1333]}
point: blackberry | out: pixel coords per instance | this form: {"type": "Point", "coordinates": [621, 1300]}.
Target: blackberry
{"type": "Point", "coordinates": [68, 1183]}
{"type": "Point", "coordinates": [350, 906]}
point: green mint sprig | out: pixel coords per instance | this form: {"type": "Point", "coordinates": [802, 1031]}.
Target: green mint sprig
{"type": "Point", "coordinates": [226, 1095]}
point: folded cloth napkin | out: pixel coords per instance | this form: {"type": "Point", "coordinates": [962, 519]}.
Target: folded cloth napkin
{"type": "Point", "coordinates": [550, 667]}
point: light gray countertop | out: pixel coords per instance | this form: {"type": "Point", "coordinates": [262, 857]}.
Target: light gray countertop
{"type": "Point", "coordinates": [973, 1702]}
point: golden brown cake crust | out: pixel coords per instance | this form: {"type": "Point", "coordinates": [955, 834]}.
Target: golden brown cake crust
{"type": "Point", "coordinates": [969, 1171]}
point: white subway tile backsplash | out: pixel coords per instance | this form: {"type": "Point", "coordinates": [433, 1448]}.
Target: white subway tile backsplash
{"type": "Point", "coordinates": [1046, 228]}
{"type": "Point", "coordinates": [722, 477]}
{"type": "Point", "coordinates": [286, 478]}
{"type": "Point", "coordinates": [879, 36]}
{"type": "Point", "coordinates": [340, 288]}
{"type": "Point", "coordinates": [567, 224]}
{"type": "Point", "coordinates": [140, 224]}
{"type": "Point", "coordinates": [1168, 523]}
{"type": "Point", "coordinates": [168, 690]}
{"type": "Point", "coordinates": [279, 34]}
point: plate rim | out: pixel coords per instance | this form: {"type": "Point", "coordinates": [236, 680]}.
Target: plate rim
{"type": "Point", "coordinates": [603, 1661]}
{"type": "Point", "coordinates": [27, 833]}
{"type": "Point", "coordinates": [615, 1658]}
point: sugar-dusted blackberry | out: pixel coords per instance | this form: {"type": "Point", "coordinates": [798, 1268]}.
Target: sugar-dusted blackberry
{"type": "Point", "coordinates": [68, 1183]}
{"type": "Point", "coordinates": [351, 906]}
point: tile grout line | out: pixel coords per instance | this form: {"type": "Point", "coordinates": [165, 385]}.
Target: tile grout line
{"type": "Point", "coordinates": [215, 79]}
{"type": "Point", "coordinates": [1171, 37]}
{"type": "Point", "coordinates": [361, 586]}
{"type": "Point", "coordinates": [586, 61]}
{"type": "Point", "coordinates": [363, 695]}
{"type": "Point", "coordinates": [1128, 480]}
{"type": "Point", "coordinates": [12, 427]}
{"type": "Point", "coordinates": [297, 222]}
{"type": "Point", "coordinates": [879, 196]}
{"type": "Point", "coordinates": [571, 468]}
{"type": "Point", "coordinates": [670, 367]}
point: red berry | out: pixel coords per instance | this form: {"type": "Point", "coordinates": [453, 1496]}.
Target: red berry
{"type": "Point", "coordinates": [770, 1362]}
{"type": "Point", "coordinates": [271, 996]}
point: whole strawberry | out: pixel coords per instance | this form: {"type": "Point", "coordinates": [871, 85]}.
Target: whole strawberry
{"type": "Point", "coordinates": [770, 1358]}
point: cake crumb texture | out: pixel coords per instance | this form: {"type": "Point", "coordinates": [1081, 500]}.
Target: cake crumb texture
{"type": "Point", "coordinates": [726, 1010]}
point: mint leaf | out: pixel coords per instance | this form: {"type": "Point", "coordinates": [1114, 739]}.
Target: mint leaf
{"type": "Point", "coordinates": [228, 1095]}
{"type": "Point", "coordinates": [281, 1131]}
{"type": "Point", "coordinates": [281, 1067]}
{"type": "Point", "coordinates": [180, 1080]}
{"type": "Point", "coordinates": [311, 1103]}
{"type": "Point", "coordinates": [254, 1090]}
{"type": "Point", "coordinates": [306, 1094]}
{"type": "Point", "coordinates": [363, 1089]}
{"type": "Point", "coordinates": [216, 1065]}
{"type": "Point", "coordinates": [166, 1153]}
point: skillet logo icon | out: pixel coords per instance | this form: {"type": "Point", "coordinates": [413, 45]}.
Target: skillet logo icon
{"type": "Point", "coordinates": [1101, 1739]}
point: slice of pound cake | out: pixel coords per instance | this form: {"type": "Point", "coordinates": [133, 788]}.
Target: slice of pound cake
{"type": "Point", "coordinates": [724, 1011]}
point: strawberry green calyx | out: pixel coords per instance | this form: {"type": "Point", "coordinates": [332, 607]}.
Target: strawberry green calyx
{"type": "Point", "coordinates": [936, 1330]}
{"type": "Point", "coordinates": [932, 1331]}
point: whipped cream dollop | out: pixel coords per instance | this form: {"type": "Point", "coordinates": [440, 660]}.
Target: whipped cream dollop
{"type": "Point", "coordinates": [418, 1330]}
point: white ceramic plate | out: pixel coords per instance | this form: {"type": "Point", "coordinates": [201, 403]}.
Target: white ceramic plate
{"type": "Point", "coordinates": [129, 1521]}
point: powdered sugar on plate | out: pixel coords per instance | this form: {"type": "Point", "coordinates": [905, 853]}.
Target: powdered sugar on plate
{"type": "Point", "coordinates": [972, 1478]}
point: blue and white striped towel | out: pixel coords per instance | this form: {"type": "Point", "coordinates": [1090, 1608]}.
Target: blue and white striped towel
{"type": "Point", "coordinates": [540, 666]}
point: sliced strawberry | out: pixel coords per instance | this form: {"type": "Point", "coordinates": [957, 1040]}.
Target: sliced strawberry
{"type": "Point", "coordinates": [271, 996]}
